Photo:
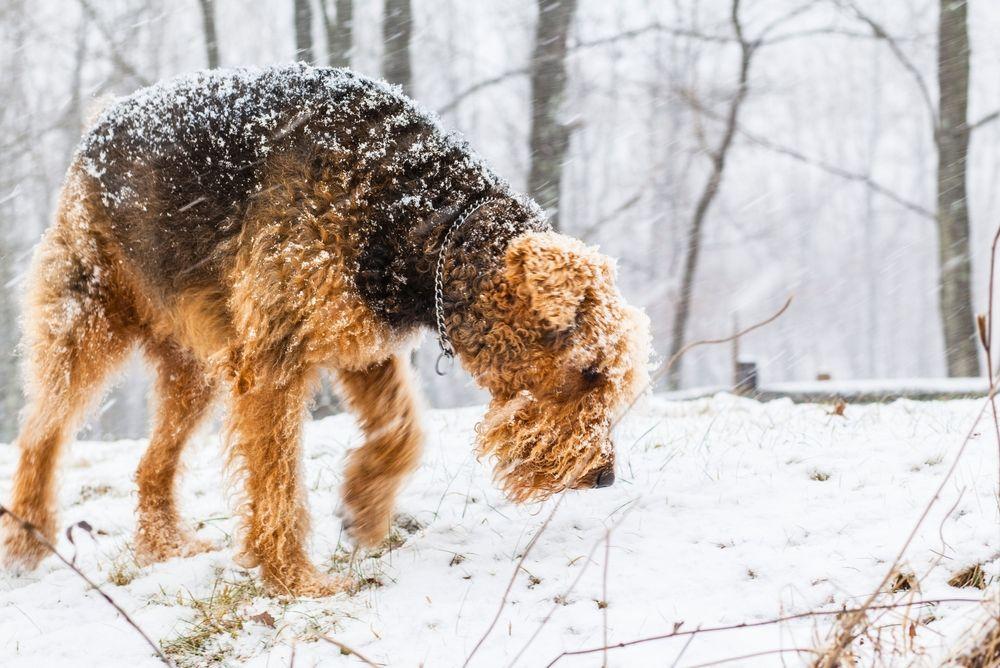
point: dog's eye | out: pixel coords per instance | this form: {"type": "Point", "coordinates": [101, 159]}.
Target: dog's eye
{"type": "Point", "coordinates": [591, 376]}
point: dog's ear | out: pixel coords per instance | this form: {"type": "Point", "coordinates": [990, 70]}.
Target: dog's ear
{"type": "Point", "coordinates": [553, 274]}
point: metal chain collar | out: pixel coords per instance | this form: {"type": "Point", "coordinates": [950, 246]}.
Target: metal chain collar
{"type": "Point", "coordinates": [447, 350]}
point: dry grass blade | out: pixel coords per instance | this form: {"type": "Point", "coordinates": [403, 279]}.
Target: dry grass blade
{"type": "Point", "coordinates": [985, 649]}
{"type": "Point", "coordinates": [971, 576]}
{"type": "Point", "coordinates": [349, 651]}
{"type": "Point", "coordinates": [33, 530]}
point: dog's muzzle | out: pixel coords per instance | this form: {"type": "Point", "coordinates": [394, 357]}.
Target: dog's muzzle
{"type": "Point", "coordinates": [605, 478]}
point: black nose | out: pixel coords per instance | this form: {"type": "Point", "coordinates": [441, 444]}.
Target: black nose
{"type": "Point", "coordinates": [605, 478]}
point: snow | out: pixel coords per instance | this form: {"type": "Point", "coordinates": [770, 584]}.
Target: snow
{"type": "Point", "coordinates": [924, 388]}
{"type": "Point", "coordinates": [726, 510]}
{"type": "Point", "coordinates": [886, 385]}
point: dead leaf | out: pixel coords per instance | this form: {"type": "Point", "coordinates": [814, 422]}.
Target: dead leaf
{"type": "Point", "coordinates": [264, 618]}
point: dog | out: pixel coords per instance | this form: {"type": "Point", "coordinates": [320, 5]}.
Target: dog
{"type": "Point", "coordinates": [250, 228]}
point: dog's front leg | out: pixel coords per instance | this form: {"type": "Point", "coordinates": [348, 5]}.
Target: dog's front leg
{"type": "Point", "coordinates": [266, 427]}
{"type": "Point", "coordinates": [384, 402]}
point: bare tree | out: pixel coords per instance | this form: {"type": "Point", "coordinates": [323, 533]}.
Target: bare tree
{"type": "Point", "coordinates": [15, 128]}
{"type": "Point", "coordinates": [549, 138]}
{"type": "Point", "coordinates": [397, 31]}
{"type": "Point", "coordinates": [208, 28]}
{"type": "Point", "coordinates": [952, 138]}
{"type": "Point", "coordinates": [126, 74]}
{"type": "Point", "coordinates": [682, 310]}
{"type": "Point", "coordinates": [303, 31]}
{"type": "Point", "coordinates": [339, 31]}
{"type": "Point", "coordinates": [951, 130]}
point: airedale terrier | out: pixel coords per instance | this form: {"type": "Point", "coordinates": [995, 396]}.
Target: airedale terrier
{"type": "Point", "coordinates": [249, 228]}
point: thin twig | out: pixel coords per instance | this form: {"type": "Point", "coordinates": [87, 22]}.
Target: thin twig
{"type": "Point", "coordinates": [881, 33]}
{"type": "Point", "coordinates": [677, 633]}
{"type": "Point", "coordinates": [662, 371]}
{"type": "Point", "coordinates": [684, 650]}
{"type": "Point", "coordinates": [769, 652]}
{"type": "Point", "coordinates": [350, 651]}
{"type": "Point", "coordinates": [480, 85]}
{"type": "Point", "coordinates": [513, 577]}
{"type": "Point", "coordinates": [604, 593]}
{"type": "Point", "coordinates": [985, 120]}
{"type": "Point", "coordinates": [44, 542]}
{"type": "Point", "coordinates": [569, 590]}
{"type": "Point", "coordinates": [113, 51]}
{"type": "Point", "coordinates": [987, 336]}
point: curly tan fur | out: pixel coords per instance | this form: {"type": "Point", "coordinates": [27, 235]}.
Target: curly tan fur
{"type": "Point", "coordinates": [246, 283]}
{"type": "Point", "coordinates": [185, 392]}
{"type": "Point", "coordinates": [560, 351]}
{"type": "Point", "coordinates": [385, 404]}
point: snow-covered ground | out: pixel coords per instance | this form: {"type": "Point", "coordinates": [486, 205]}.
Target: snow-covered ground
{"type": "Point", "coordinates": [725, 511]}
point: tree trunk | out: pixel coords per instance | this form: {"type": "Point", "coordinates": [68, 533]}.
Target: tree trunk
{"type": "Point", "coordinates": [952, 136]}
{"type": "Point", "coordinates": [303, 32]}
{"type": "Point", "coordinates": [10, 391]}
{"type": "Point", "coordinates": [208, 28]}
{"type": "Point", "coordinates": [549, 136]}
{"type": "Point", "coordinates": [339, 32]}
{"type": "Point", "coordinates": [683, 309]}
{"type": "Point", "coordinates": [397, 29]}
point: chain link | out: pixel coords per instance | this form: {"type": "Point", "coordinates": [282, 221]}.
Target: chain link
{"type": "Point", "coordinates": [447, 350]}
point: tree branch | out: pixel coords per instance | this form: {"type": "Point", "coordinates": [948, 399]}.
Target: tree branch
{"type": "Point", "coordinates": [611, 215]}
{"type": "Point", "coordinates": [687, 33]}
{"type": "Point", "coordinates": [709, 191]}
{"type": "Point", "coordinates": [485, 83]}
{"type": "Point", "coordinates": [116, 56]}
{"type": "Point", "coordinates": [822, 165]}
{"type": "Point", "coordinates": [879, 32]}
{"type": "Point", "coordinates": [33, 531]}
{"type": "Point", "coordinates": [985, 120]}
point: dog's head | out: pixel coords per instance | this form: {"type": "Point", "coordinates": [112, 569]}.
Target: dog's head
{"type": "Point", "coordinates": [561, 354]}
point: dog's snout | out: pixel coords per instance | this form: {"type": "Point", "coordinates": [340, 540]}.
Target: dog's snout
{"type": "Point", "coordinates": [605, 478]}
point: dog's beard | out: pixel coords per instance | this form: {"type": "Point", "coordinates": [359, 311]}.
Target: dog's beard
{"type": "Point", "coordinates": [543, 447]}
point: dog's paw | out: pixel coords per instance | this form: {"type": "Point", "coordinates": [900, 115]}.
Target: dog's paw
{"type": "Point", "coordinates": [307, 583]}
{"type": "Point", "coordinates": [151, 548]}
{"type": "Point", "coordinates": [368, 529]}
{"type": "Point", "coordinates": [22, 552]}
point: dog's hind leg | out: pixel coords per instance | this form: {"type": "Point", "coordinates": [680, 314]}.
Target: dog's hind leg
{"type": "Point", "coordinates": [184, 393]}
{"type": "Point", "coordinates": [79, 325]}
{"type": "Point", "coordinates": [383, 399]}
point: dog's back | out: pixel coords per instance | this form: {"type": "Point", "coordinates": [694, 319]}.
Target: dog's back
{"type": "Point", "coordinates": [177, 165]}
